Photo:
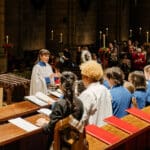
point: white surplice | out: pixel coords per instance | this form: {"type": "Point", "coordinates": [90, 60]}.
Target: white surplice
{"type": "Point", "coordinates": [97, 104]}
{"type": "Point", "coordinates": [38, 82]}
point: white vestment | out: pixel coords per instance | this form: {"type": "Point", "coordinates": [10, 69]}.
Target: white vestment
{"type": "Point", "coordinates": [97, 104]}
{"type": "Point", "coordinates": [85, 56]}
{"type": "Point", "coordinates": [38, 82]}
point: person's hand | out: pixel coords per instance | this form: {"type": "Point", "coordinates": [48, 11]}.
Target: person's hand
{"type": "Point", "coordinates": [41, 122]}
{"type": "Point", "coordinates": [52, 75]}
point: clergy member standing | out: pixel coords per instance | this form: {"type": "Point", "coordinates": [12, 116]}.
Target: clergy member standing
{"type": "Point", "coordinates": [41, 73]}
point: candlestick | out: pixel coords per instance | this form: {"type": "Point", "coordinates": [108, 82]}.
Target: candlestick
{"type": "Point", "coordinates": [130, 35]}
{"type": "Point", "coordinates": [7, 39]}
{"type": "Point", "coordinates": [107, 31]}
{"type": "Point", "coordinates": [61, 37]}
{"type": "Point", "coordinates": [140, 29]}
{"type": "Point", "coordinates": [100, 35]}
{"type": "Point", "coordinates": [104, 40]}
{"type": "Point", "coordinates": [52, 36]}
{"type": "Point", "coordinates": [147, 37]}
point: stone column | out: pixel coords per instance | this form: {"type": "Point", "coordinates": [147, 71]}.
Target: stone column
{"type": "Point", "coordinates": [124, 21]}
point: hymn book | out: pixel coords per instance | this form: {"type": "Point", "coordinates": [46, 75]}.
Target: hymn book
{"type": "Point", "coordinates": [23, 124]}
{"type": "Point", "coordinates": [139, 113]}
{"type": "Point", "coordinates": [122, 124]}
{"type": "Point", "coordinates": [45, 111]}
{"type": "Point", "coordinates": [40, 99]}
{"type": "Point", "coordinates": [102, 134]}
{"type": "Point", "coordinates": [58, 93]}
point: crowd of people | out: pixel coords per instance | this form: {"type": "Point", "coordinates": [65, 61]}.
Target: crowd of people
{"type": "Point", "coordinates": [98, 92]}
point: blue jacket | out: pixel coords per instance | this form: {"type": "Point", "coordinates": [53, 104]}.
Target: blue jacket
{"type": "Point", "coordinates": [141, 97]}
{"type": "Point", "coordinates": [148, 93]}
{"type": "Point", "coordinates": [121, 100]}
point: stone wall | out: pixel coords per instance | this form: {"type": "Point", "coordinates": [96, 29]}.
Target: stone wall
{"type": "Point", "coordinates": [3, 59]}
{"type": "Point", "coordinates": [29, 22]}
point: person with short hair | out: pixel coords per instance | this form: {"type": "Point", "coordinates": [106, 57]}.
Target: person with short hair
{"type": "Point", "coordinates": [121, 97]}
{"type": "Point", "coordinates": [96, 97]}
{"type": "Point", "coordinates": [147, 77]}
{"type": "Point", "coordinates": [41, 72]}
{"type": "Point", "coordinates": [137, 78]}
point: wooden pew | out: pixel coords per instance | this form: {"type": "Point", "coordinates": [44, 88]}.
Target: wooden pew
{"type": "Point", "coordinates": [13, 137]}
{"type": "Point", "coordinates": [10, 134]}
{"type": "Point", "coordinates": [138, 141]}
{"type": "Point", "coordinates": [17, 109]}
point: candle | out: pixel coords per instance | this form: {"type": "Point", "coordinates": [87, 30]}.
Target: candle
{"type": "Point", "coordinates": [104, 40]}
{"type": "Point", "coordinates": [52, 36]}
{"type": "Point", "coordinates": [100, 35]}
{"type": "Point", "coordinates": [107, 31]}
{"type": "Point", "coordinates": [7, 39]}
{"type": "Point", "coordinates": [61, 37]}
{"type": "Point", "coordinates": [140, 29]}
{"type": "Point", "coordinates": [147, 37]}
{"type": "Point", "coordinates": [130, 35]}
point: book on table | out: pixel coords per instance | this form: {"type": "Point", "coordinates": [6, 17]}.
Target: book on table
{"type": "Point", "coordinates": [40, 99]}
{"type": "Point", "coordinates": [102, 134]}
{"type": "Point", "coordinates": [23, 124]}
{"type": "Point", "coordinates": [122, 124]}
{"type": "Point", "coordinates": [45, 111]}
{"type": "Point", "coordinates": [57, 93]}
{"type": "Point", "coordinates": [139, 113]}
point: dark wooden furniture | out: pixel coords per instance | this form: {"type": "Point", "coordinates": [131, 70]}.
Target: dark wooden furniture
{"type": "Point", "coordinates": [10, 81]}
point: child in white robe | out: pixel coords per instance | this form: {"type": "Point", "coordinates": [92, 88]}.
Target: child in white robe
{"type": "Point", "coordinates": [41, 73]}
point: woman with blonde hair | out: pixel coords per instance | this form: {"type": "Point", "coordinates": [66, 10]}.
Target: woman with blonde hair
{"type": "Point", "coordinates": [96, 98]}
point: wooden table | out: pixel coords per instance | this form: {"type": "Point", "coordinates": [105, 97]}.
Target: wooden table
{"type": "Point", "coordinates": [18, 109]}
{"type": "Point", "coordinates": [10, 81]}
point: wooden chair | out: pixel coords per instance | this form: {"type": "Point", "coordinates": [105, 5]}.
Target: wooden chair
{"type": "Point", "coordinates": [68, 137]}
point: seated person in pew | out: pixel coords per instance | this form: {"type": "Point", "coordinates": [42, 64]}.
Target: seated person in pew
{"type": "Point", "coordinates": [147, 77]}
{"type": "Point", "coordinates": [121, 97]}
{"type": "Point", "coordinates": [130, 87]}
{"type": "Point", "coordinates": [70, 104]}
{"type": "Point", "coordinates": [137, 78]}
{"type": "Point", "coordinates": [41, 73]}
{"type": "Point", "coordinates": [96, 97]}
